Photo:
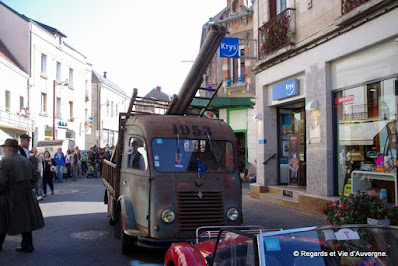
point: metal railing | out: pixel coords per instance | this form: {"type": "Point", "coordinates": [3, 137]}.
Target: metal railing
{"type": "Point", "coordinates": [16, 121]}
{"type": "Point", "coordinates": [348, 5]}
{"type": "Point", "coordinates": [276, 33]}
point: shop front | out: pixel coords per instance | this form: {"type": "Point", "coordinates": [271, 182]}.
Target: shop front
{"type": "Point", "coordinates": [291, 142]}
{"type": "Point", "coordinates": [366, 136]}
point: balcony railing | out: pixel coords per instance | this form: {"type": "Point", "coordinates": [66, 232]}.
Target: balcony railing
{"type": "Point", "coordinates": [348, 5]}
{"type": "Point", "coordinates": [276, 33]}
{"type": "Point", "coordinates": [16, 121]}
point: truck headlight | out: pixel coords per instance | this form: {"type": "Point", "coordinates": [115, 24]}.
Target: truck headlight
{"type": "Point", "coordinates": [233, 214]}
{"type": "Point", "coordinates": [168, 216]}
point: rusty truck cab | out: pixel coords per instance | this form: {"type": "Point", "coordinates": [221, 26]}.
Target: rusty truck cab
{"type": "Point", "coordinates": [177, 173]}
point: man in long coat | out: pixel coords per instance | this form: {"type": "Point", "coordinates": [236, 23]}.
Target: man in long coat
{"type": "Point", "coordinates": [19, 210]}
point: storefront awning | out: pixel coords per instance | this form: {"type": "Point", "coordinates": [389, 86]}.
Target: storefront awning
{"type": "Point", "coordinates": [226, 102]}
{"type": "Point", "coordinates": [360, 133]}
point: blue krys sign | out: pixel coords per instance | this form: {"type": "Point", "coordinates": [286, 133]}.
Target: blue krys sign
{"type": "Point", "coordinates": [286, 89]}
{"type": "Point", "coordinates": [229, 47]}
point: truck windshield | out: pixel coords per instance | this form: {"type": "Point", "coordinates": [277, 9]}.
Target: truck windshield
{"type": "Point", "coordinates": [187, 155]}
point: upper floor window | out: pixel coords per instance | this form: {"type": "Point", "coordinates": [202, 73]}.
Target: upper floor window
{"type": "Point", "coordinates": [43, 102]}
{"type": "Point", "coordinates": [58, 109]}
{"type": "Point", "coordinates": [59, 72]}
{"type": "Point", "coordinates": [70, 81]}
{"type": "Point", "coordinates": [112, 110]}
{"type": "Point", "coordinates": [7, 101]}
{"type": "Point", "coordinates": [71, 110]}
{"type": "Point", "coordinates": [21, 102]}
{"type": "Point", "coordinates": [278, 6]}
{"type": "Point", "coordinates": [43, 64]}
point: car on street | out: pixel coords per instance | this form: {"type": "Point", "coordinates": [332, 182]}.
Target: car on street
{"type": "Point", "coordinates": [329, 245]}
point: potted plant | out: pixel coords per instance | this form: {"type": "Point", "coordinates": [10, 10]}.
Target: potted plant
{"type": "Point", "coordinates": [360, 208]}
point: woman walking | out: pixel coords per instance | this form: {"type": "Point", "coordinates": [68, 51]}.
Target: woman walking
{"type": "Point", "coordinates": [48, 174]}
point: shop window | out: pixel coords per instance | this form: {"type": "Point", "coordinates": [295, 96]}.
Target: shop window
{"type": "Point", "coordinates": [366, 137]}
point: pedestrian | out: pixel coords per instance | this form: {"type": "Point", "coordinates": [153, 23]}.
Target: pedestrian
{"type": "Point", "coordinates": [107, 154]}
{"type": "Point", "coordinates": [19, 210]}
{"type": "Point", "coordinates": [79, 162]}
{"type": "Point", "coordinates": [39, 181]}
{"type": "Point", "coordinates": [59, 158]}
{"type": "Point", "coordinates": [92, 160]}
{"type": "Point", "coordinates": [74, 165]}
{"type": "Point", "coordinates": [67, 163]}
{"type": "Point", "coordinates": [48, 173]}
{"type": "Point", "coordinates": [100, 155]}
{"type": "Point", "coordinates": [84, 162]}
{"type": "Point", "coordinates": [24, 149]}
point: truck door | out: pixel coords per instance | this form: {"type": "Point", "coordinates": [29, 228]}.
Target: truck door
{"type": "Point", "coordinates": [134, 179]}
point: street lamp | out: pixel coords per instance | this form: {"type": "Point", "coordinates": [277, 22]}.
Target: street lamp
{"type": "Point", "coordinates": [63, 83]}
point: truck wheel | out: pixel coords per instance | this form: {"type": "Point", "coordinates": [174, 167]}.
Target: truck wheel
{"type": "Point", "coordinates": [118, 225]}
{"type": "Point", "coordinates": [127, 242]}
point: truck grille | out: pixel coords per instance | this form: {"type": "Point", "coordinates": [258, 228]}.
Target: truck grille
{"type": "Point", "coordinates": [197, 209]}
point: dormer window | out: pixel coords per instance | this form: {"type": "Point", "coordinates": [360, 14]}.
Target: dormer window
{"type": "Point", "coordinates": [235, 6]}
{"type": "Point", "coordinates": [59, 40]}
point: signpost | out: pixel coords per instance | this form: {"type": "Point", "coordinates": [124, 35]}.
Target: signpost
{"type": "Point", "coordinates": [229, 47]}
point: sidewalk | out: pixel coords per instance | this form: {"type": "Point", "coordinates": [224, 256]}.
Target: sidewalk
{"type": "Point", "coordinates": [268, 215]}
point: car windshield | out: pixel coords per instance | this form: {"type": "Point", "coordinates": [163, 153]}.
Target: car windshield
{"type": "Point", "coordinates": [234, 248]}
{"type": "Point", "coordinates": [348, 245]}
{"type": "Point", "coordinates": [192, 155]}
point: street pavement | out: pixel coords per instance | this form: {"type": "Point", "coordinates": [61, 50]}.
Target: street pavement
{"type": "Point", "coordinates": [77, 230]}
{"type": "Point", "coordinates": [272, 216]}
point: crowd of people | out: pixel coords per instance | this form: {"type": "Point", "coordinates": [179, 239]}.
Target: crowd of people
{"type": "Point", "coordinates": [78, 164]}
{"type": "Point", "coordinates": [24, 180]}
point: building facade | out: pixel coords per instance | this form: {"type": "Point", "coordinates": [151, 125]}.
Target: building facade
{"type": "Point", "coordinates": [326, 86]}
{"type": "Point", "coordinates": [14, 120]}
{"type": "Point", "coordinates": [59, 77]}
{"type": "Point", "coordinates": [233, 100]}
{"type": "Point", "coordinates": [108, 100]}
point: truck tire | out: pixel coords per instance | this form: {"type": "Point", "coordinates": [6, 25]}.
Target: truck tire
{"type": "Point", "coordinates": [127, 244]}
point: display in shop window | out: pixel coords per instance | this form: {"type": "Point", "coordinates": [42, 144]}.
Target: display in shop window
{"type": "Point", "coordinates": [366, 138]}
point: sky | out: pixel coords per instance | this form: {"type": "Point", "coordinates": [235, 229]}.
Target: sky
{"type": "Point", "coordinates": [140, 44]}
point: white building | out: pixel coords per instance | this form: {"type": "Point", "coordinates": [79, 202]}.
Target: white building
{"type": "Point", "coordinates": [59, 77]}
{"type": "Point", "coordinates": [108, 100]}
{"type": "Point", "coordinates": [13, 91]}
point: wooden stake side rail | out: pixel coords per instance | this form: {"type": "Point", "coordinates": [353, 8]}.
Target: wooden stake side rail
{"type": "Point", "coordinates": [110, 178]}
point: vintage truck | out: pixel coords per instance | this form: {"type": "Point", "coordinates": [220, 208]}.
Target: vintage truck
{"type": "Point", "coordinates": [174, 172]}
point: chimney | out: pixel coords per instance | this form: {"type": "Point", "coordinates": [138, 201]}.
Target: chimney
{"type": "Point", "coordinates": [158, 88]}
{"type": "Point", "coordinates": [105, 74]}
